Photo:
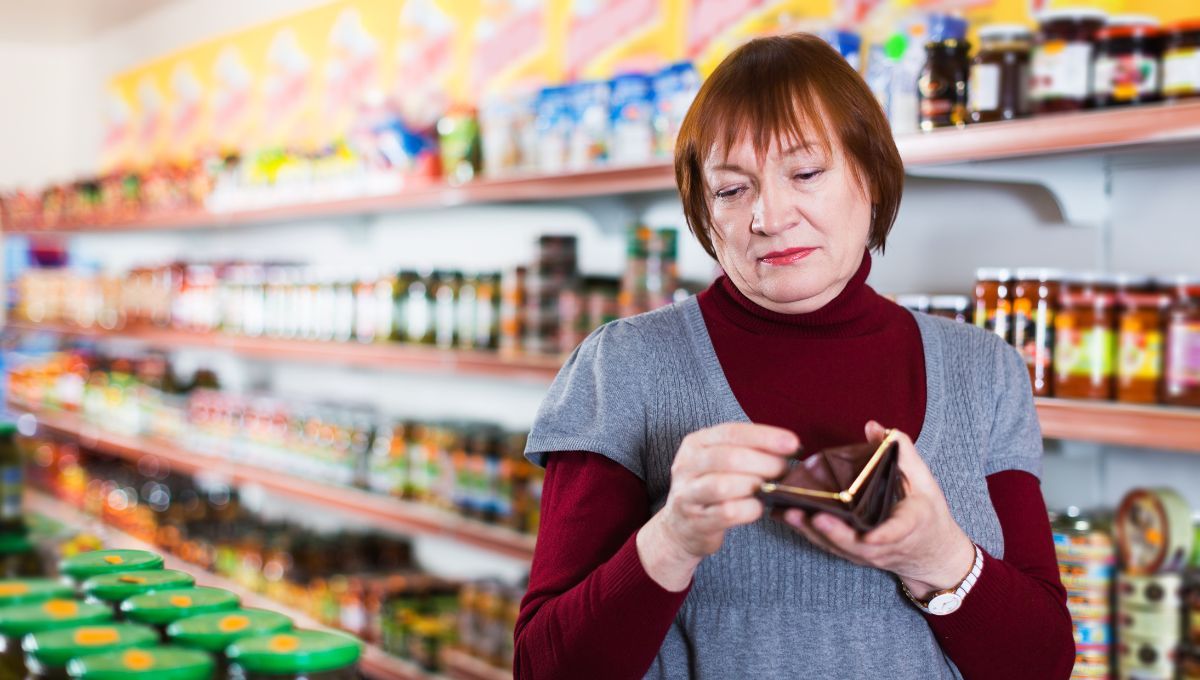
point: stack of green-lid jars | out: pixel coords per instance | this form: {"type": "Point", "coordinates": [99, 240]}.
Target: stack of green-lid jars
{"type": "Point", "coordinates": [119, 614]}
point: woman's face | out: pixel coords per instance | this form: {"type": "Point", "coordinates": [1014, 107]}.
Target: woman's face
{"type": "Point", "coordinates": [789, 228]}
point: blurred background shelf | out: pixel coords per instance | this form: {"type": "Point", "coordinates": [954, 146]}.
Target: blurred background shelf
{"type": "Point", "coordinates": [461, 666]}
{"type": "Point", "coordinates": [391, 513]}
{"type": "Point", "coordinates": [376, 664]}
{"type": "Point", "coordinates": [1143, 126]}
{"type": "Point", "coordinates": [377, 355]}
{"type": "Point", "coordinates": [1157, 427]}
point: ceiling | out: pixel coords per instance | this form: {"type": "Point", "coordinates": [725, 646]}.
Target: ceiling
{"type": "Point", "coordinates": [66, 20]}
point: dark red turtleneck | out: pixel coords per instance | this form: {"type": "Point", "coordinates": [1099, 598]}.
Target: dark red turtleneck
{"type": "Point", "coordinates": [591, 610]}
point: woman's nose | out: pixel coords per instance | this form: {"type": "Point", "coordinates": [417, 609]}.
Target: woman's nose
{"type": "Point", "coordinates": [775, 210]}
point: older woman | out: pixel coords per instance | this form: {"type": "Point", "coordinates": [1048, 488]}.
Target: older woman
{"type": "Point", "coordinates": [654, 558]}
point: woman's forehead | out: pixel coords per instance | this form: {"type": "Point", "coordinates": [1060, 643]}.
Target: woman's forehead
{"type": "Point", "coordinates": [744, 149]}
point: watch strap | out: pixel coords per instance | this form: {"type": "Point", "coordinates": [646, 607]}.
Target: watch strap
{"type": "Point", "coordinates": [961, 590]}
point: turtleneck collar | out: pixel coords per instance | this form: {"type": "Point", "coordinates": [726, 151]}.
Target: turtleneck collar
{"type": "Point", "coordinates": [854, 312]}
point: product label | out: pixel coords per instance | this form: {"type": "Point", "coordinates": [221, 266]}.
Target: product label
{"type": "Point", "coordinates": [995, 320]}
{"type": "Point", "coordinates": [1084, 352]}
{"type": "Point", "coordinates": [1183, 358]}
{"type": "Point", "coordinates": [984, 90]}
{"type": "Point", "coordinates": [1033, 332]}
{"type": "Point", "coordinates": [1125, 78]}
{"type": "Point", "coordinates": [1061, 70]}
{"type": "Point", "coordinates": [1181, 71]}
{"type": "Point", "coordinates": [1140, 351]}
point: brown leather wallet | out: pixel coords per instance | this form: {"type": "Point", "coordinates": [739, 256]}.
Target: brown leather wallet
{"type": "Point", "coordinates": [859, 483]}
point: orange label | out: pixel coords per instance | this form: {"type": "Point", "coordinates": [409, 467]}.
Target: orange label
{"type": "Point", "coordinates": [137, 660]}
{"type": "Point", "coordinates": [9, 589]}
{"type": "Point", "coordinates": [139, 580]}
{"type": "Point", "coordinates": [234, 623]}
{"type": "Point", "coordinates": [96, 636]}
{"type": "Point", "coordinates": [284, 643]}
{"type": "Point", "coordinates": [114, 559]}
{"type": "Point", "coordinates": [181, 600]}
{"type": "Point", "coordinates": [61, 608]}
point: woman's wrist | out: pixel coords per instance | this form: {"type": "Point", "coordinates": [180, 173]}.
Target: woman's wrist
{"type": "Point", "coordinates": [665, 562]}
{"type": "Point", "coordinates": [948, 574]}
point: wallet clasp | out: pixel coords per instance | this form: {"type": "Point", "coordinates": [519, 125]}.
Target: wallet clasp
{"type": "Point", "coordinates": [847, 495]}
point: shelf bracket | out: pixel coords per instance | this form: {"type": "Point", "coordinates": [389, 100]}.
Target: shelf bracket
{"type": "Point", "coordinates": [1079, 185]}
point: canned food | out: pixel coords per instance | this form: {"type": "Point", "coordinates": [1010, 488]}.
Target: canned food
{"type": "Point", "coordinates": [113, 589]}
{"type": "Point", "coordinates": [310, 654]}
{"type": "Point", "coordinates": [47, 653]}
{"type": "Point", "coordinates": [1146, 659]}
{"type": "Point", "coordinates": [1154, 531]}
{"type": "Point", "coordinates": [1163, 624]}
{"type": "Point", "coordinates": [1150, 593]}
{"type": "Point", "coordinates": [1093, 633]}
{"type": "Point", "coordinates": [84, 566]}
{"type": "Point", "coordinates": [162, 608]}
{"type": "Point", "coordinates": [144, 664]}
{"type": "Point", "coordinates": [29, 590]}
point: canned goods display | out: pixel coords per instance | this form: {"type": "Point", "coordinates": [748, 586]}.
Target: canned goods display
{"type": "Point", "coordinates": [1146, 593]}
{"type": "Point", "coordinates": [1146, 660]}
{"type": "Point", "coordinates": [1154, 531]}
{"type": "Point", "coordinates": [1086, 564]}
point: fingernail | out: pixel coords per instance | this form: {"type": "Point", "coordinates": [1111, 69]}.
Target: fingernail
{"type": "Point", "coordinates": [793, 517]}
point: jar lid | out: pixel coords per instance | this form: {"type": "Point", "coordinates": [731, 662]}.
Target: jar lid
{"type": "Point", "coordinates": [166, 606]}
{"type": "Point", "coordinates": [216, 631]}
{"type": "Point", "coordinates": [50, 615]}
{"type": "Point", "coordinates": [956, 302]}
{"type": "Point", "coordinates": [1185, 26]}
{"type": "Point", "coordinates": [26, 590]}
{"type": "Point", "coordinates": [159, 663]}
{"type": "Point", "coordinates": [53, 649]}
{"type": "Point", "coordinates": [1005, 32]}
{"type": "Point", "coordinates": [96, 562]}
{"type": "Point", "coordinates": [1130, 31]}
{"type": "Point", "coordinates": [123, 585]}
{"type": "Point", "coordinates": [1072, 14]}
{"type": "Point", "coordinates": [993, 274]}
{"type": "Point", "coordinates": [1038, 274]}
{"type": "Point", "coordinates": [12, 544]}
{"type": "Point", "coordinates": [300, 651]}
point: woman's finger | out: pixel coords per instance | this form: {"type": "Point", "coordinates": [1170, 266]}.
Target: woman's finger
{"type": "Point", "coordinates": [739, 460]}
{"type": "Point", "coordinates": [736, 512]}
{"type": "Point", "coordinates": [720, 487]}
{"type": "Point", "coordinates": [875, 432]}
{"type": "Point", "coordinates": [897, 527]}
{"type": "Point", "coordinates": [764, 437]}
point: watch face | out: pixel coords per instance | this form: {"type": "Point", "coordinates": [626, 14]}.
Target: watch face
{"type": "Point", "coordinates": [946, 603]}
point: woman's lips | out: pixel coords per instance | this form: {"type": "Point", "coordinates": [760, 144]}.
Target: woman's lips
{"type": "Point", "coordinates": [785, 257]}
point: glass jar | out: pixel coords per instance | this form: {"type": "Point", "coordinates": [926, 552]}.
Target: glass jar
{"type": "Point", "coordinates": [1035, 303]}
{"type": "Point", "coordinates": [953, 307]}
{"type": "Point", "coordinates": [12, 482]}
{"type": "Point", "coordinates": [1182, 371]}
{"type": "Point", "coordinates": [113, 589]}
{"type": "Point", "coordinates": [1084, 338]}
{"type": "Point", "coordinates": [993, 300]}
{"type": "Point", "coordinates": [19, 558]}
{"type": "Point", "coordinates": [86, 565]}
{"type": "Point", "coordinates": [999, 87]}
{"type": "Point", "coordinates": [21, 620]}
{"type": "Point", "coordinates": [1139, 340]}
{"type": "Point", "coordinates": [162, 608]}
{"type": "Point", "coordinates": [213, 633]}
{"type": "Point", "coordinates": [1062, 59]}
{"type": "Point", "coordinates": [1128, 64]}
{"type": "Point", "coordinates": [48, 653]}
{"type": "Point", "coordinates": [30, 590]}
{"type": "Point", "coordinates": [1181, 60]}
{"type": "Point", "coordinates": [152, 663]}
{"type": "Point", "coordinates": [942, 85]}
{"type": "Point", "coordinates": [300, 655]}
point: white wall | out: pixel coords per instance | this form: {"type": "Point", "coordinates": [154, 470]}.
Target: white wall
{"type": "Point", "coordinates": [39, 111]}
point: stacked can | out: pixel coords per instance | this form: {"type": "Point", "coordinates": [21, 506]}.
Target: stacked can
{"type": "Point", "coordinates": [554, 271]}
{"type": "Point", "coordinates": [1086, 562]}
{"type": "Point", "coordinates": [1154, 541]}
{"type": "Point", "coordinates": [1189, 660]}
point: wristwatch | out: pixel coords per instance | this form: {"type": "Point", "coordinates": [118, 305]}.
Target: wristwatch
{"type": "Point", "coordinates": [948, 601]}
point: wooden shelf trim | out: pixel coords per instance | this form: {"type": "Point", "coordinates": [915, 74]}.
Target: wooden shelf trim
{"type": "Point", "coordinates": [375, 663]}
{"type": "Point", "coordinates": [392, 513]}
{"type": "Point", "coordinates": [1045, 135]}
{"type": "Point", "coordinates": [1153, 427]}
{"type": "Point", "coordinates": [389, 356]}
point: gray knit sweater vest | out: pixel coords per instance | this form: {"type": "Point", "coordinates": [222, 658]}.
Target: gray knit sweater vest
{"type": "Point", "coordinates": [768, 604]}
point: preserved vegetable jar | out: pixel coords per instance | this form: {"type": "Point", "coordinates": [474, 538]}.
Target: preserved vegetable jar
{"type": "Point", "coordinates": [1062, 59]}
{"type": "Point", "coordinates": [1181, 60]}
{"type": "Point", "coordinates": [21, 620]}
{"type": "Point", "coordinates": [1139, 340]}
{"type": "Point", "coordinates": [113, 589]}
{"type": "Point", "coordinates": [162, 608]}
{"type": "Point", "coordinates": [151, 663]}
{"type": "Point", "coordinates": [999, 86]}
{"type": "Point", "coordinates": [299, 655]}
{"type": "Point", "coordinates": [1182, 374]}
{"type": "Point", "coordinates": [86, 565]}
{"type": "Point", "coordinates": [213, 633]}
{"type": "Point", "coordinates": [1128, 65]}
{"type": "Point", "coordinates": [1084, 337]}
{"type": "Point", "coordinates": [942, 85]}
{"type": "Point", "coordinates": [47, 653]}
{"type": "Point", "coordinates": [1035, 303]}
{"type": "Point", "coordinates": [993, 300]}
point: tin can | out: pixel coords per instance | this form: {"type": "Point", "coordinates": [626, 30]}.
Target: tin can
{"type": "Point", "coordinates": [1154, 531]}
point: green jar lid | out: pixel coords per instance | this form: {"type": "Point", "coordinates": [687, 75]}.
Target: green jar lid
{"type": "Point", "coordinates": [166, 606]}
{"type": "Point", "coordinates": [50, 615]}
{"type": "Point", "coordinates": [13, 544]}
{"type": "Point", "coordinates": [26, 590]}
{"type": "Point", "coordinates": [124, 585]}
{"type": "Point", "coordinates": [97, 562]}
{"type": "Point", "coordinates": [214, 632]}
{"type": "Point", "coordinates": [53, 649]}
{"type": "Point", "coordinates": [300, 651]}
{"type": "Point", "coordinates": [159, 663]}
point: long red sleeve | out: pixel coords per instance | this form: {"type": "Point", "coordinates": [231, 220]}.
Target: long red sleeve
{"type": "Point", "coordinates": [592, 611]}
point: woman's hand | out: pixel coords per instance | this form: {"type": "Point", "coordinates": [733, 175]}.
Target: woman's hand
{"type": "Point", "coordinates": [921, 543]}
{"type": "Point", "coordinates": [713, 481]}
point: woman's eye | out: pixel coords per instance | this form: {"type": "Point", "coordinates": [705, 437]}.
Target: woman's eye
{"type": "Point", "coordinates": [731, 192]}
{"type": "Point", "coordinates": [806, 176]}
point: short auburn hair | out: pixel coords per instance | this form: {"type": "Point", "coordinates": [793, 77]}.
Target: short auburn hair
{"type": "Point", "coordinates": [790, 88]}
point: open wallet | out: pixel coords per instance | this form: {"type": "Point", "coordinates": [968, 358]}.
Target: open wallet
{"type": "Point", "coordinates": [859, 483]}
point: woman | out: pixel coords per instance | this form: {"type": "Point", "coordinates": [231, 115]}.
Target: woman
{"type": "Point", "coordinates": [654, 557]}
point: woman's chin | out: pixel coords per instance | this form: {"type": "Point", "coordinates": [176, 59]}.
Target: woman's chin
{"type": "Point", "coordinates": [790, 289]}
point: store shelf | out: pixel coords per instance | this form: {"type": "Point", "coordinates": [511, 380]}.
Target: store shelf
{"type": "Point", "coordinates": [384, 511]}
{"type": "Point", "coordinates": [1154, 427]}
{"type": "Point", "coordinates": [375, 664]}
{"type": "Point", "coordinates": [462, 666]}
{"type": "Point", "coordinates": [1047, 135]}
{"type": "Point", "coordinates": [390, 356]}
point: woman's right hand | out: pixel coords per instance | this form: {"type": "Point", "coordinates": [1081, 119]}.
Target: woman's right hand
{"type": "Point", "coordinates": [713, 483]}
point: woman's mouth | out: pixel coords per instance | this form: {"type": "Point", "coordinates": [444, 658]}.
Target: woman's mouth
{"type": "Point", "coordinates": [785, 257]}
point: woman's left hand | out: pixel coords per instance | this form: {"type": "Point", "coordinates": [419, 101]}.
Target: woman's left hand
{"type": "Point", "coordinates": [921, 543]}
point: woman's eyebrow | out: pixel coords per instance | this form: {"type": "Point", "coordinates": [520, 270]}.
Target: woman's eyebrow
{"type": "Point", "coordinates": [731, 167]}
